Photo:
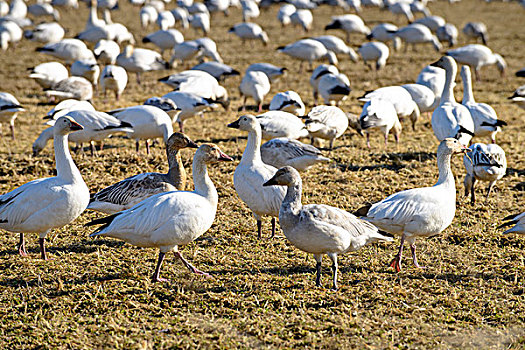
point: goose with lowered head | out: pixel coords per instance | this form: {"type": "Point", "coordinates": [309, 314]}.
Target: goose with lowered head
{"type": "Point", "coordinates": [477, 56]}
{"type": "Point", "coordinates": [380, 113]}
{"type": "Point", "coordinates": [287, 101]}
{"type": "Point", "coordinates": [9, 109]}
{"type": "Point", "coordinates": [282, 151]}
{"type": "Point", "coordinates": [326, 122]}
{"type": "Point", "coordinates": [308, 50]}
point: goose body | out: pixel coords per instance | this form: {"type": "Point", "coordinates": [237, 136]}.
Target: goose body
{"type": "Point", "coordinates": [384, 32]}
{"type": "Point", "coordinates": [288, 101]}
{"type": "Point", "coordinates": [448, 33]}
{"type": "Point", "coordinates": [9, 109]}
{"type": "Point", "coordinates": [200, 21]}
{"type": "Point", "coordinates": [317, 228]}
{"type": "Point", "coordinates": [303, 18]}
{"type": "Point", "coordinates": [418, 34]}
{"type": "Point", "coordinates": [219, 71]}
{"type": "Point", "coordinates": [255, 84]}
{"type": "Point", "coordinates": [148, 15]}
{"type": "Point", "coordinates": [424, 97]}
{"type": "Point", "coordinates": [433, 78]}
{"type": "Point", "coordinates": [476, 30]}
{"type": "Point", "coordinates": [10, 33]}
{"type": "Point", "coordinates": [106, 51]}
{"type": "Point", "coordinates": [273, 73]}
{"type": "Point", "coordinates": [44, 204]}
{"type": "Point", "coordinates": [185, 51]}
{"type": "Point", "coordinates": [281, 151]}
{"type": "Point", "coordinates": [308, 50]}
{"type": "Point", "coordinates": [188, 105]}
{"type": "Point", "coordinates": [327, 123]}
{"type": "Point", "coordinates": [376, 52]}
{"type": "Point", "coordinates": [432, 22]}
{"type": "Point", "coordinates": [281, 124]}
{"type": "Point", "coordinates": [349, 24]}
{"type": "Point", "coordinates": [181, 15]}
{"type": "Point", "coordinates": [65, 106]}
{"type": "Point", "coordinates": [164, 39]}
{"type": "Point", "coordinates": [518, 220]}
{"type": "Point", "coordinates": [518, 97]}
{"type": "Point", "coordinates": [250, 10]}
{"type": "Point", "coordinates": [87, 69]}
{"type": "Point", "coordinates": [44, 9]}
{"type": "Point", "coordinates": [113, 78]}
{"type": "Point", "coordinates": [69, 50]}
{"type": "Point", "coordinates": [140, 60]}
{"type": "Point", "coordinates": [48, 74]}
{"type": "Point", "coordinates": [284, 13]}
{"type": "Point", "coordinates": [380, 113]}
{"type": "Point", "coordinates": [317, 74]}
{"type": "Point", "coordinates": [337, 46]}
{"type": "Point", "coordinates": [78, 88]}
{"type": "Point", "coordinates": [477, 56]}
{"type": "Point", "coordinates": [165, 20]}
{"type": "Point", "coordinates": [334, 88]}
{"type": "Point", "coordinates": [45, 33]}
{"type": "Point", "coordinates": [251, 31]}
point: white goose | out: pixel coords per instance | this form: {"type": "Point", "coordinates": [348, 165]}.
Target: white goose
{"type": "Point", "coordinates": [423, 96]}
{"type": "Point", "coordinates": [284, 13]}
{"type": "Point", "coordinates": [78, 88]}
{"type": "Point", "coordinates": [282, 151]}
{"type": "Point", "coordinates": [384, 32]}
{"type": "Point", "coordinates": [451, 119]}
{"type": "Point", "coordinates": [281, 124]}
{"type": "Point", "coordinates": [86, 69]}
{"type": "Point", "coordinates": [317, 228]}
{"type": "Point", "coordinates": [380, 113]}
{"type": "Point", "coordinates": [106, 51]}
{"type": "Point", "coordinates": [188, 105]}
{"type": "Point", "coordinates": [303, 18]}
{"type": "Point", "coordinates": [334, 88]}
{"type": "Point", "coordinates": [10, 33]}
{"type": "Point", "coordinates": [44, 9]}
{"type": "Point", "coordinates": [477, 56]}
{"type": "Point", "coordinates": [349, 24]}
{"type": "Point", "coordinates": [69, 50]}
{"type": "Point", "coordinates": [46, 33]}
{"type": "Point", "coordinates": [140, 60]}
{"type": "Point", "coordinates": [317, 74]}
{"type": "Point", "coordinates": [48, 74]}
{"type": "Point", "coordinates": [256, 85]}
{"type": "Point", "coordinates": [113, 78]}
{"type": "Point", "coordinates": [252, 173]}
{"type": "Point", "coordinates": [65, 106]}
{"type": "Point", "coordinates": [486, 122]}
{"type": "Point", "coordinates": [374, 51]}
{"type": "Point", "coordinates": [249, 31]}
{"type": "Point", "coordinates": [132, 190]}
{"type": "Point", "coordinates": [518, 97]}
{"type": "Point", "coordinates": [167, 220]}
{"type": "Point", "coordinates": [518, 220]}
{"type": "Point", "coordinates": [9, 109]}
{"type": "Point", "coordinates": [45, 204]}
{"type": "Point", "coordinates": [200, 21]}
{"type": "Point", "coordinates": [327, 123]}
{"type": "Point", "coordinates": [448, 33]}
{"type": "Point", "coordinates": [419, 212]}
{"type": "Point", "coordinates": [432, 22]}
{"type": "Point", "coordinates": [148, 15]}
{"type": "Point", "coordinates": [250, 10]}
{"type": "Point", "coordinates": [337, 46]}
{"type": "Point", "coordinates": [219, 71]}
{"type": "Point", "coordinates": [288, 101]}
{"type": "Point", "coordinates": [433, 78]}
{"type": "Point", "coordinates": [165, 20]}
{"type": "Point", "coordinates": [164, 39]}
{"type": "Point", "coordinates": [274, 73]}
{"type": "Point", "coordinates": [417, 34]}
{"type": "Point", "coordinates": [483, 163]}
{"type": "Point", "coordinates": [308, 50]}
{"type": "Point", "coordinates": [476, 30]}
{"type": "Point", "coordinates": [208, 48]}
{"type": "Point", "coordinates": [181, 15]}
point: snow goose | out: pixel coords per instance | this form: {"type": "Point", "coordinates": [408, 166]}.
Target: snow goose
{"type": "Point", "coordinates": [417, 34]}
{"type": "Point", "coordinates": [477, 56]}
{"type": "Point", "coordinates": [284, 13]}
{"type": "Point", "coordinates": [433, 78]}
{"type": "Point", "coordinates": [45, 33]}
{"type": "Point", "coordinates": [113, 78]}
{"type": "Point", "coordinates": [43, 9]}
{"type": "Point", "coordinates": [188, 105]}
{"type": "Point", "coordinates": [252, 173]}
{"type": "Point", "coordinates": [256, 85]}
{"type": "Point", "coordinates": [170, 219]}
{"type": "Point", "coordinates": [317, 228]}
{"type": "Point", "coordinates": [9, 109]}
{"type": "Point", "coordinates": [65, 3]}
{"type": "Point", "coordinates": [97, 127]}
{"type": "Point", "coordinates": [419, 212]}
{"type": "Point", "coordinates": [4, 8]}
{"type": "Point", "coordinates": [148, 15]}
{"type": "Point", "coordinates": [282, 151]}
{"type": "Point", "coordinates": [402, 8]}
{"type": "Point", "coordinates": [485, 119]}
{"type": "Point", "coordinates": [136, 61]}
{"type": "Point", "coordinates": [65, 106]}
{"type": "Point", "coordinates": [181, 15]}
{"type": "Point", "coordinates": [165, 20]}
{"type": "Point", "coordinates": [132, 190]}
{"type": "Point", "coordinates": [17, 9]}
{"type": "Point", "coordinates": [10, 33]}
{"type": "Point", "coordinates": [518, 97]}
{"type": "Point", "coordinates": [250, 10]}
{"type": "Point", "coordinates": [197, 7]}
{"type": "Point", "coordinates": [483, 163]}
{"type": "Point", "coordinates": [423, 97]}
{"type": "Point", "coordinates": [218, 6]}
{"type": "Point", "coordinates": [250, 31]}
{"type": "Point", "coordinates": [384, 32]}
{"type": "Point", "coordinates": [448, 33]}
{"type": "Point", "coordinates": [451, 119]}
{"type": "Point", "coordinates": [308, 50]}
{"type": "Point", "coordinates": [349, 24]}
{"type": "Point", "coordinates": [69, 50]}
{"type": "Point", "coordinates": [218, 70]}
{"type": "Point", "coordinates": [44, 204]}
{"type": "Point", "coordinates": [106, 51]}
{"type": "Point", "coordinates": [380, 113]}
{"type": "Point", "coordinates": [432, 22]}
{"type": "Point", "coordinates": [281, 124]}
{"type": "Point", "coordinates": [184, 52]}
{"type": "Point", "coordinates": [208, 49]}
{"type": "Point", "coordinates": [317, 74]}
{"type": "Point", "coordinates": [86, 69]}
{"type": "Point", "coordinates": [148, 123]}
{"type": "Point", "coordinates": [327, 123]}
{"type": "Point", "coordinates": [164, 39]}
{"type": "Point", "coordinates": [201, 21]}
{"type": "Point", "coordinates": [419, 7]}
{"type": "Point", "coordinates": [518, 220]}
{"type": "Point", "coordinates": [337, 46]}
{"type": "Point", "coordinates": [48, 74]}
{"type": "Point", "coordinates": [303, 18]}
{"type": "Point", "coordinates": [274, 73]}
{"type": "Point", "coordinates": [78, 88]}
{"type": "Point", "coordinates": [374, 51]}
{"type": "Point", "coordinates": [476, 30]}
{"type": "Point", "coordinates": [288, 101]}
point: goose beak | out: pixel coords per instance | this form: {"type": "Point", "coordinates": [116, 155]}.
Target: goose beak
{"type": "Point", "coordinates": [270, 182]}
{"type": "Point", "coordinates": [76, 126]}
{"type": "Point", "coordinates": [192, 144]}
{"type": "Point", "coordinates": [234, 125]}
{"type": "Point", "coordinates": [225, 158]}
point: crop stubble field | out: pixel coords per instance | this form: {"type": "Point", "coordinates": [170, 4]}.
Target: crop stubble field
{"type": "Point", "coordinates": [97, 293]}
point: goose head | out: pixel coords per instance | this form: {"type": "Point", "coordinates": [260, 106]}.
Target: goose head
{"type": "Point", "coordinates": [500, 62]}
{"type": "Point", "coordinates": [264, 38]}
{"type": "Point", "coordinates": [209, 153]}
{"type": "Point", "coordinates": [451, 146]}
{"type": "Point", "coordinates": [66, 125]}
{"type": "Point", "coordinates": [246, 122]}
{"type": "Point", "coordinates": [332, 58]}
{"type": "Point", "coordinates": [447, 63]}
{"type": "Point", "coordinates": [179, 141]}
{"type": "Point", "coordinates": [286, 176]}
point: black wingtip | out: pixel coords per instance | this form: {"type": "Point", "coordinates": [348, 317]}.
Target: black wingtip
{"type": "Point", "coordinates": [363, 211]}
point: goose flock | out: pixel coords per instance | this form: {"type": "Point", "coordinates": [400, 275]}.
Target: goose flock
{"type": "Point", "coordinates": [160, 210]}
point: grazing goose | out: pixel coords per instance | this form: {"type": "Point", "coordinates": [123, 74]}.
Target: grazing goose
{"type": "Point", "coordinates": [106, 51]}
{"type": "Point", "coordinates": [274, 73]}
{"type": "Point", "coordinates": [182, 16]}
{"type": "Point", "coordinates": [48, 74]}
{"type": "Point", "coordinates": [140, 60]}
{"type": "Point", "coordinates": [208, 48]}
{"type": "Point", "coordinates": [44, 9]}
{"type": "Point", "coordinates": [250, 10]}
{"type": "Point", "coordinates": [148, 15]}
{"type": "Point", "coordinates": [44, 204]}
{"type": "Point", "coordinates": [432, 22]}
{"type": "Point", "coordinates": [451, 119]}
{"type": "Point", "coordinates": [78, 88]}
{"type": "Point", "coordinates": [417, 34]}
{"type": "Point", "coordinates": [485, 119]}
{"type": "Point", "coordinates": [188, 105]}
{"type": "Point", "coordinates": [69, 50]}
{"type": "Point", "coordinates": [284, 13]}
{"type": "Point", "coordinates": [518, 220]}
{"type": "Point", "coordinates": [349, 24]}
{"type": "Point", "coordinates": [200, 21]}
{"type": "Point", "coordinates": [327, 123]}
{"type": "Point", "coordinates": [374, 51]}
{"type": "Point", "coordinates": [384, 32]}
{"type": "Point", "coordinates": [337, 46]}
{"type": "Point", "coordinates": [164, 39]}
{"type": "Point", "coordinates": [308, 50]}
{"type": "Point", "coordinates": [46, 33]}
{"type": "Point", "coordinates": [113, 78]}
{"type": "Point", "coordinates": [132, 190]}
{"type": "Point", "coordinates": [256, 85]}
{"type": "Point", "coordinates": [148, 122]}
{"type": "Point", "coordinates": [303, 18]}
{"type": "Point", "coordinates": [317, 74]}
{"type": "Point", "coordinates": [219, 71]}
{"type": "Point", "coordinates": [281, 124]}
{"type": "Point", "coordinates": [518, 97]}
{"type": "Point", "coordinates": [96, 127]}
{"type": "Point", "coordinates": [86, 69]}
{"type": "Point", "coordinates": [419, 212]}
{"type": "Point", "coordinates": [170, 219]}
{"type": "Point", "coordinates": [448, 33]}
{"type": "Point", "coordinates": [165, 20]}
{"type": "Point", "coordinates": [288, 101]}
{"type": "Point", "coordinates": [334, 88]}
{"type": "Point", "coordinates": [476, 30]}
{"type": "Point", "coordinates": [318, 228]}
{"type": "Point", "coordinates": [185, 51]}
{"type": "Point", "coordinates": [9, 108]}
{"type": "Point", "coordinates": [282, 151]}
{"type": "Point", "coordinates": [10, 32]}
{"type": "Point", "coordinates": [402, 8]}
{"type": "Point", "coordinates": [250, 31]}
{"type": "Point", "coordinates": [380, 113]}
{"type": "Point", "coordinates": [477, 56]}
{"type": "Point", "coordinates": [433, 78]}
{"type": "Point", "coordinates": [483, 163]}
{"type": "Point", "coordinates": [252, 173]}
{"type": "Point", "coordinates": [424, 98]}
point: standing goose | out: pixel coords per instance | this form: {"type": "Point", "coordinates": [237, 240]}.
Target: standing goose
{"type": "Point", "coordinates": [303, 18]}
{"type": "Point", "coordinates": [423, 96]}
{"type": "Point", "coordinates": [451, 119]}
{"type": "Point", "coordinates": [282, 151]}
{"type": "Point", "coordinates": [219, 71]}
{"type": "Point", "coordinates": [44, 204]}
{"type": "Point", "coordinates": [518, 220]}
{"type": "Point", "coordinates": [281, 124]}
{"type": "Point", "coordinates": [308, 50]}
{"type": "Point", "coordinates": [317, 228]}
{"type": "Point", "coordinates": [419, 212]}
{"type": "Point", "coordinates": [164, 39]}
{"type": "Point", "coordinates": [327, 123]}
{"type": "Point", "coordinates": [288, 101]}
{"type": "Point", "coordinates": [113, 78]}
{"type": "Point", "coordinates": [334, 88]}
{"type": "Point", "coordinates": [432, 22]}
{"type": "Point", "coordinates": [476, 30]}
{"type": "Point", "coordinates": [349, 24]}
{"type": "Point", "coordinates": [48, 74]}
{"type": "Point", "coordinates": [417, 34]}
{"type": "Point", "coordinates": [380, 113]}
{"type": "Point", "coordinates": [477, 56]}
{"type": "Point", "coordinates": [252, 173]}
{"type": "Point", "coordinates": [9, 108]}
{"type": "Point", "coordinates": [106, 51]}
{"type": "Point", "coordinates": [273, 73]}
{"type": "Point", "coordinates": [374, 51]}
{"type": "Point", "coordinates": [249, 31]}
{"type": "Point", "coordinates": [168, 220]}
{"type": "Point", "coordinates": [188, 105]}
{"type": "Point", "coordinates": [485, 119]}
{"type": "Point", "coordinates": [86, 69]}
{"type": "Point", "coordinates": [448, 33]}
{"type": "Point", "coordinates": [384, 32]}
{"type": "Point", "coordinates": [69, 50]}
{"type": "Point", "coordinates": [132, 190]}
{"type": "Point", "coordinates": [256, 85]}
{"type": "Point", "coordinates": [284, 13]}
{"type": "Point", "coordinates": [78, 88]}
{"type": "Point", "coordinates": [337, 46]}
{"type": "Point", "coordinates": [316, 76]}
{"type": "Point", "coordinates": [140, 60]}
{"type": "Point", "coordinates": [434, 79]}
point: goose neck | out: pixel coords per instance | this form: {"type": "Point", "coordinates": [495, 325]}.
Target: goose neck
{"type": "Point", "coordinates": [65, 165]}
{"type": "Point", "coordinates": [468, 95]}
{"type": "Point", "coordinates": [202, 182]}
{"type": "Point", "coordinates": [448, 89]}
{"type": "Point", "coordinates": [446, 177]}
{"type": "Point", "coordinates": [292, 201]}
{"type": "Point", "coordinates": [252, 152]}
{"type": "Point", "coordinates": [176, 172]}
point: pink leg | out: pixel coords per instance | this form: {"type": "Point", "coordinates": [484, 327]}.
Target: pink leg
{"type": "Point", "coordinates": [155, 277]}
{"type": "Point", "coordinates": [189, 266]}
{"type": "Point", "coordinates": [22, 246]}
{"type": "Point", "coordinates": [43, 253]}
{"type": "Point", "coordinates": [414, 258]}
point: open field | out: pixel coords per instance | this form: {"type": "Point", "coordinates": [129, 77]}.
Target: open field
{"type": "Point", "coordinates": [97, 293]}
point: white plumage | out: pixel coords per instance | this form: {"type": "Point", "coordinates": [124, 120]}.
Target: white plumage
{"type": "Point", "coordinates": [448, 33]}
{"type": "Point", "coordinates": [284, 13]}
{"type": "Point", "coordinates": [334, 88]}
{"type": "Point", "coordinates": [165, 20]}
{"type": "Point", "coordinates": [282, 151]}
{"type": "Point", "coordinates": [45, 33]}
{"type": "Point", "coordinates": [87, 69]}
{"type": "Point", "coordinates": [349, 24]}
{"type": "Point", "coordinates": [433, 78]}
{"type": "Point", "coordinates": [476, 30]}
{"type": "Point", "coordinates": [148, 15]}
{"type": "Point", "coordinates": [9, 109]}
{"type": "Point", "coordinates": [327, 123]}
{"type": "Point", "coordinates": [518, 97]}
{"type": "Point", "coordinates": [219, 71]}
{"type": "Point", "coordinates": [384, 32]}
{"type": "Point", "coordinates": [113, 78]}
{"type": "Point", "coordinates": [69, 50]}
{"type": "Point", "coordinates": [188, 105]}
{"type": "Point", "coordinates": [255, 84]}
{"type": "Point", "coordinates": [78, 88]}
{"type": "Point", "coordinates": [432, 22]}
{"type": "Point", "coordinates": [250, 10]}
{"type": "Point", "coordinates": [273, 73]}
{"type": "Point", "coordinates": [380, 113]}
{"type": "Point", "coordinates": [164, 39]}
{"type": "Point", "coordinates": [106, 51]}
{"type": "Point", "coordinates": [281, 124]}
{"type": "Point", "coordinates": [10, 32]}
{"type": "Point", "coordinates": [249, 31]}
{"type": "Point", "coordinates": [417, 34]}
{"type": "Point", "coordinates": [201, 21]}
{"type": "Point", "coordinates": [48, 74]}
{"type": "Point", "coordinates": [303, 18]}
{"type": "Point", "coordinates": [288, 101]}
{"type": "Point", "coordinates": [374, 51]}
{"type": "Point", "coordinates": [337, 46]}
{"type": "Point", "coordinates": [424, 97]}
{"type": "Point", "coordinates": [317, 74]}
{"type": "Point", "coordinates": [308, 50]}
{"type": "Point", "coordinates": [140, 60]}
{"type": "Point", "coordinates": [477, 56]}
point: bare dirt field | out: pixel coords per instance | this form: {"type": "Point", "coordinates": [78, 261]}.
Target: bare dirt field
{"type": "Point", "coordinates": [97, 293]}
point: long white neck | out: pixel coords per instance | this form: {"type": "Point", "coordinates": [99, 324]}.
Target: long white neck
{"type": "Point", "coordinates": [446, 177]}
{"type": "Point", "coordinates": [252, 152]}
{"type": "Point", "coordinates": [291, 205]}
{"type": "Point", "coordinates": [66, 167]}
{"type": "Point", "coordinates": [202, 182]}
{"type": "Point", "coordinates": [448, 89]}
{"type": "Point", "coordinates": [468, 95]}
{"type": "Point", "coordinates": [93, 17]}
